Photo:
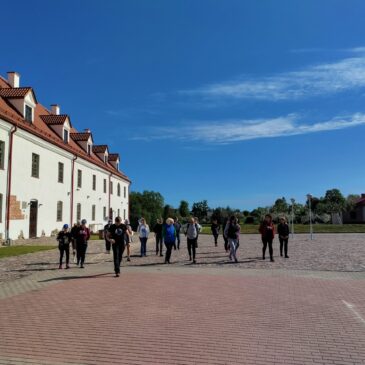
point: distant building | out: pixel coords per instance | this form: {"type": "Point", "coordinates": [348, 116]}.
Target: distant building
{"type": "Point", "coordinates": [50, 173]}
{"type": "Point", "coordinates": [358, 214]}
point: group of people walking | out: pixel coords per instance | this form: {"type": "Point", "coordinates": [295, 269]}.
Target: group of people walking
{"type": "Point", "coordinates": [118, 237]}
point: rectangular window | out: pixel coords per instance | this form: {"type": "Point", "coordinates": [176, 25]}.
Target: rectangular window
{"type": "Point", "coordinates": [59, 211]}
{"type": "Point", "coordinates": [118, 189]}
{"type": "Point", "coordinates": [124, 214]}
{"type": "Point", "coordinates": [28, 113]}
{"type": "Point", "coordinates": [65, 135]}
{"type": "Point", "coordinates": [118, 212]}
{"type": "Point", "coordinates": [35, 165]}
{"type": "Point", "coordinates": [104, 212]}
{"type": "Point", "coordinates": [1, 208]}
{"type": "Point", "coordinates": [2, 154]}
{"type": "Point", "coordinates": [93, 211]}
{"type": "Point", "coordinates": [79, 178]}
{"type": "Point", "coordinates": [60, 172]}
{"type": "Point", "coordinates": [111, 187]}
{"type": "Point", "coordinates": [89, 149]}
{"type": "Point", "coordinates": [78, 211]}
{"type": "Point", "coordinates": [94, 182]}
{"type": "Point", "coordinates": [125, 191]}
{"type": "Point", "coordinates": [104, 185]}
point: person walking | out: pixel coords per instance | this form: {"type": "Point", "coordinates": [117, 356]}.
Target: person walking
{"type": "Point", "coordinates": [106, 230]}
{"type": "Point", "coordinates": [232, 232]}
{"type": "Point", "coordinates": [215, 228]}
{"type": "Point", "coordinates": [117, 237]}
{"type": "Point", "coordinates": [169, 237]}
{"type": "Point", "coordinates": [64, 238]}
{"type": "Point", "coordinates": [267, 230]}
{"type": "Point", "coordinates": [143, 231]}
{"type": "Point", "coordinates": [82, 238]}
{"type": "Point", "coordinates": [225, 238]}
{"type": "Point", "coordinates": [128, 239]}
{"type": "Point", "coordinates": [192, 234]}
{"type": "Point", "coordinates": [283, 232]}
{"type": "Point", "coordinates": [157, 229]}
{"type": "Point", "coordinates": [177, 225]}
{"type": "Point", "coordinates": [74, 230]}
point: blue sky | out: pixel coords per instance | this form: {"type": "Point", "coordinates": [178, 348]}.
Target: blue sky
{"type": "Point", "coordinates": [236, 102]}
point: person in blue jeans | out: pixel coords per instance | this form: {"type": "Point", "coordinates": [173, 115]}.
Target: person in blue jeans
{"type": "Point", "coordinates": [143, 231]}
{"type": "Point", "coordinates": [169, 237]}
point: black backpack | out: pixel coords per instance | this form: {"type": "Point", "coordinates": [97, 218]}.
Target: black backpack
{"type": "Point", "coordinates": [232, 231]}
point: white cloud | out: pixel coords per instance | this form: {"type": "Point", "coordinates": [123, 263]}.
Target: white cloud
{"type": "Point", "coordinates": [321, 79]}
{"type": "Point", "coordinates": [226, 132]}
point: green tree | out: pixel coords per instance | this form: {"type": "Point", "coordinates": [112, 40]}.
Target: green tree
{"type": "Point", "coordinates": [351, 201]}
{"type": "Point", "coordinates": [200, 209]}
{"type": "Point", "coordinates": [280, 206]}
{"type": "Point", "coordinates": [334, 201]}
{"type": "Point", "coordinates": [184, 209]}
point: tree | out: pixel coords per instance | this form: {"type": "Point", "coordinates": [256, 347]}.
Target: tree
{"type": "Point", "coordinates": [184, 209]}
{"type": "Point", "coordinates": [351, 201]}
{"type": "Point", "coordinates": [335, 203]}
{"type": "Point", "coordinates": [280, 206]}
{"type": "Point", "coordinates": [200, 209]}
{"type": "Point", "coordinates": [168, 212]}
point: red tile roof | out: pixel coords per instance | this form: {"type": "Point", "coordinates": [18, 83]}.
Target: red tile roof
{"type": "Point", "coordinates": [113, 157]}
{"type": "Point", "coordinates": [18, 92]}
{"type": "Point", "coordinates": [83, 136]}
{"type": "Point", "coordinates": [102, 148]}
{"type": "Point", "coordinates": [40, 129]}
{"type": "Point", "coordinates": [54, 119]}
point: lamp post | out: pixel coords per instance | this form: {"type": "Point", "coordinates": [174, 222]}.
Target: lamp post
{"type": "Point", "coordinates": [292, 217]}
{"type": "Point", "coordinates": [309, 197]}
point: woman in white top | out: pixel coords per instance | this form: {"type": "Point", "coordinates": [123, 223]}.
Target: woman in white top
{"type": "Point", "coordinates": [143, 232]}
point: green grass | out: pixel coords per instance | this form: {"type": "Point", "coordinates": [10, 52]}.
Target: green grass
{"type": "Point", "coordinates": [22, 250]}
{"type": "Point", "coordinates": [304, 228]}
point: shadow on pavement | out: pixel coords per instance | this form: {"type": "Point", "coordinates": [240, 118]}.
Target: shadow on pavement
{"type": "Point", "coordinates": [76, 277]}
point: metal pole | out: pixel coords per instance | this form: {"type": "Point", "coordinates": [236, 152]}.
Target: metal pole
{"type": "Point", "coordinates": [292, 217]}
{"type": "Point", "coordinates": [310, 215]}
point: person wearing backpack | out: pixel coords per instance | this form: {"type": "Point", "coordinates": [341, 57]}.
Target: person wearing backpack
{"type": "Point", "coordinates": [267, 230]}
{"type": "Point", "coordinates": [283, 232]}
{"type": "Point", "coordinates": [215, 228]}
{"type": "Point", "coordinates": [192, 234]}
{"type": "Point", "coordinates": [64, 238]}
{"type": "Point", "coordinates": [232, 232]}
{"type": "Point", "coordinates": [169, 237]}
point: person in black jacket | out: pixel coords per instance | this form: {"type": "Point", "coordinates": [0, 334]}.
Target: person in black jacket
{"type": "Point", "coordinates": [117, 237]}
{"type": "Point", "coordinates": [157, 229]}
{"type": "Point", "coordinates": [283, 231]}
{"type": "Point", "coordinates": [106, 230]}
{"type": "Point", "coordinates": [64, 239]}
{"type": "Point", "coordinates": [215, 228]}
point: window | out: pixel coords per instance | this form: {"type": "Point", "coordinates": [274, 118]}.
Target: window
{"type": "Point", "coordinates": [118, 212]}
{"type": "Point", "coordinates": [65, 135]}
{"type": "Point", "coordinates": [28, 113]}
{"type": "Point", "coordinates": [94, 182]}
{"type": "Point", "coordinates": [104, 185]}
{"type": "Point", "coordinates": [1, 208]}
{"type": "Point", "coordinates": [125, 191]}
{"type": "Point", "coordinates": [35, 165]}
{"type": "Point", "coordinates": [111, 187]}
{"type": "Point", "coordinates": [60, 172]}
{"type": "Point", "coordinates": [118, 190]}
{"type": "Point", "coordinates": [105, 158]}
{"type": "Point", "coordinates": [59, 211]}
{"type": "Point", "coordinates": [93, 210]}
{"type": "Point", "coordinates": [104, 212]}
{"type": "Point", "coordinates": [78, 211]}
{"type": "Point", "coordinates": [79, 178]}
{"type": "Point", "coordinates": [2, 154]}
{"type": "Point", "coordinates": [117, 165]}
{"type": "Point", "coordinates": [89, 149]}
{"type": "Point", "coordinates": [124, 213]}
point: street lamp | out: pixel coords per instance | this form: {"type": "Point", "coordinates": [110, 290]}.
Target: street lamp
{"type": "Point", "coordinates": [309, 197]}
{"type": "Point", "coordinates": [292, 217]}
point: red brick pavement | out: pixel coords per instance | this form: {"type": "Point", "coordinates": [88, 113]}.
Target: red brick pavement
{"type": "Point", "coordinates": [197, 316]}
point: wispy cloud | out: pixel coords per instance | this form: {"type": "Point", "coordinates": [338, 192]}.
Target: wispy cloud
{"type": "Point", "coordinates": [315, 80]}
{"type": "Point", "coordinates": [226, 132]}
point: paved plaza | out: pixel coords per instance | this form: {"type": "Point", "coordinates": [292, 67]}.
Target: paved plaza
{"type": "Point", "coordinates": [308, 309]}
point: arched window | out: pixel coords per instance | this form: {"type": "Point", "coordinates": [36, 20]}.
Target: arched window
{"type": "Point", "coordinates": [59, 211]}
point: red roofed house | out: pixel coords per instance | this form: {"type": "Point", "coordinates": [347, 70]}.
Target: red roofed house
{"type": "Point", "coordinates": [358, 213]}
{"type": "Point", "coordinates": [51, 173]}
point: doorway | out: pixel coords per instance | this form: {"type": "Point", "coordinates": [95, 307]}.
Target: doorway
{"type": "Point", "coordinates": [33, 216]}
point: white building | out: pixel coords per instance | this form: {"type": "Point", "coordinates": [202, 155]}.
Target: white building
{"type": "Point", "coordinates": [50, 173]}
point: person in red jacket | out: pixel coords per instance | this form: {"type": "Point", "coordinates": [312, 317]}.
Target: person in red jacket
{"type": "Point", "coordinates": [267, 230]}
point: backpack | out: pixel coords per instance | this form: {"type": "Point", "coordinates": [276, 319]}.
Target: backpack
{"type": "Point", "coordinates": [232, 231]}
{"type": "Point", "coordinates": [170, 233]}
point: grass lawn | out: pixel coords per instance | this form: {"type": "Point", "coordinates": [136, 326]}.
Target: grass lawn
{"type": "Point", "coordinates": [304, 228]}
{"type": "Point", "coordinates": [22, 250]}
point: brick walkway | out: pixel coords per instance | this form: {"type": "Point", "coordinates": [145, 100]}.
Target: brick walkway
{"type": "Point", "coordinates": [309, 309]}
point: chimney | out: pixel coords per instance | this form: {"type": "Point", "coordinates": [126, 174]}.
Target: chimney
{"type": "Point", "coordinates": [55, 109]}
{"type": "Point", "coordinates": [13, 79]}
{"type": "Point", "coordinates": [87, 130]}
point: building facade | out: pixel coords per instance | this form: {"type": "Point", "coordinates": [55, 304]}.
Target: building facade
{"type": "Point", "coordinates": [50, 173]}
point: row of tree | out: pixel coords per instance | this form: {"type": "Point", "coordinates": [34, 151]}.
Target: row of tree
{"type": "Point", "coordinates": [326, 209]}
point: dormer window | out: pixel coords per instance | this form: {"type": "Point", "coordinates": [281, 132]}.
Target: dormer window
{"type": "Point", "coordinates": [89, 149]}
{"type": "Point", "coordinates": [117, 165]}
{"type": "Point", "coordinates": [28, 114]}
{"type": "Point", "coordinates": [105, 158]}
{"type": "Point", "coordinates": [65, 135]}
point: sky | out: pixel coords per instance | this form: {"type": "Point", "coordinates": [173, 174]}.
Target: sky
{"type": "Point", "coordinates": [236, 102]}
